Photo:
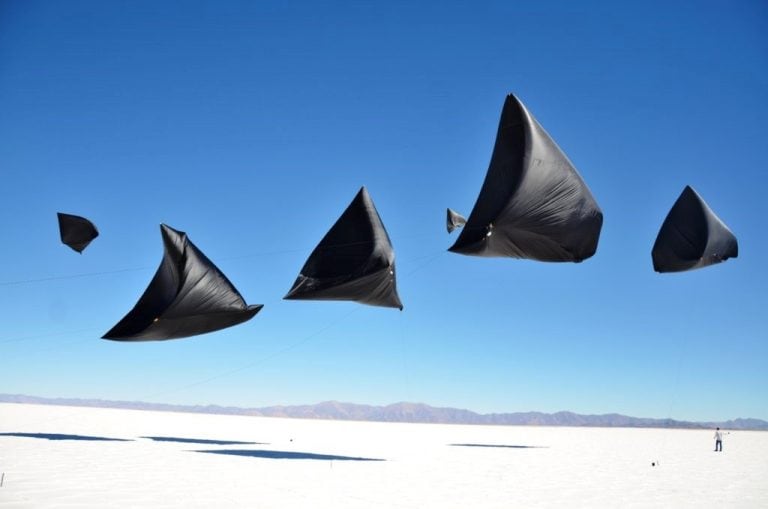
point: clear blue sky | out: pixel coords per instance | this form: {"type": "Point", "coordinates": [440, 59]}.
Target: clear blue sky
{"type": "Point", "coordinates": [251, 126]}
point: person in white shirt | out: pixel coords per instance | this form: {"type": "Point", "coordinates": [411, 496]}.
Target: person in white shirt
{"type": "Point", "coordinates": [718, 440]}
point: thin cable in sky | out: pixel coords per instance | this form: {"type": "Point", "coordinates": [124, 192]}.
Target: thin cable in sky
{"type": "Point", "coordinates": [136, 269]}
{"type": "Point", "coordinates": [256, 362]}
{"type": "Point", "coordinates": [47, 335]}
{"type": "Point", "coordinates": [71, 276]}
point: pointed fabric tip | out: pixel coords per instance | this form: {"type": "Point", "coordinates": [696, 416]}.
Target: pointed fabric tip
{"type": "Point", "coordinates": [354, 261]}
{"type": "Point", "coordinates": [537, 202]}
{"type": "Point", "coordinates": [187, 296]}
{"type": "Point", "coordinates": [76, 231]}
{"type": "Point", "coordinates": [692, 236]}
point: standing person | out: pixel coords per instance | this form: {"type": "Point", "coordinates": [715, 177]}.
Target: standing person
{"type": "Point", "coordinates": [718, 440]}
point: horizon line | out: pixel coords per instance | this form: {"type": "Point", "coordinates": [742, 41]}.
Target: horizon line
{"type": "Point", "coordinates": [469, 417]}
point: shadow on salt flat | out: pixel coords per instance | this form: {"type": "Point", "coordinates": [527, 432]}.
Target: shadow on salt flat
{"type": "Point", "coordinates": [59, 436]}
{"type": "Point", "coordinates": [287, 455]}
{"type": "Point", "coordinates": [202, 441]}
{"type": "Point", "coordinates": [502, 446]}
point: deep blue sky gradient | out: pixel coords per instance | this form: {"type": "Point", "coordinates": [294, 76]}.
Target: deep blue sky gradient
{"type": "Point", "coordinates": [251, 126]}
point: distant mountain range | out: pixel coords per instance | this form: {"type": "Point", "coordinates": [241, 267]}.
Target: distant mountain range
{"type": "Point", "coordinates": [403, 412]}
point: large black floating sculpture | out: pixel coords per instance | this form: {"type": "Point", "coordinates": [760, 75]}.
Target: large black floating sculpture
{"type": "Point", "coordinates": [76, 231]}
{"type": "Point", "coordinates": [533, 203]}
{"type": "Point", "coordinates": [692, 237]}
{"type": "Point", "coordinates": [189, 295]}
{"type": "Point", "coordinates": [454, 220]}
{"type": "Point", "coordinates": [354, 261]}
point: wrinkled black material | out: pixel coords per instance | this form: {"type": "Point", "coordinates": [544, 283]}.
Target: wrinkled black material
{"type": "Point", "coordinates": [354, 261]}
{"type": "Point", "coordinates": [533, 203]}
{"type": "Point", "coordinates": [76, 232]}
{"type": "Point", "coordinates": [188, 296]}
{"type": "Point", "coordinates": [454, 220]}
{"type": "Point", "coordinates": [692, 237]}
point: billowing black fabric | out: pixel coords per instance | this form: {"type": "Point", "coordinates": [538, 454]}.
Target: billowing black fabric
{"type": "Point", "coordinates": [533, 203]}
{"type": "Point", "coordinates": [692, 237]}
{"type": "Point", "coordinates": [76, 232]}
{"type": "Point", "coordinates": [354, 261]}
{"type": "Point", "coordinates": [454, 220]}
{"type": "Point", "coordinates": [187, 296]}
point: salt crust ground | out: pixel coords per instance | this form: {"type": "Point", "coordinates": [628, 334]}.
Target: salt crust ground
{"type": "Point", "coordinates": [289, 466]}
